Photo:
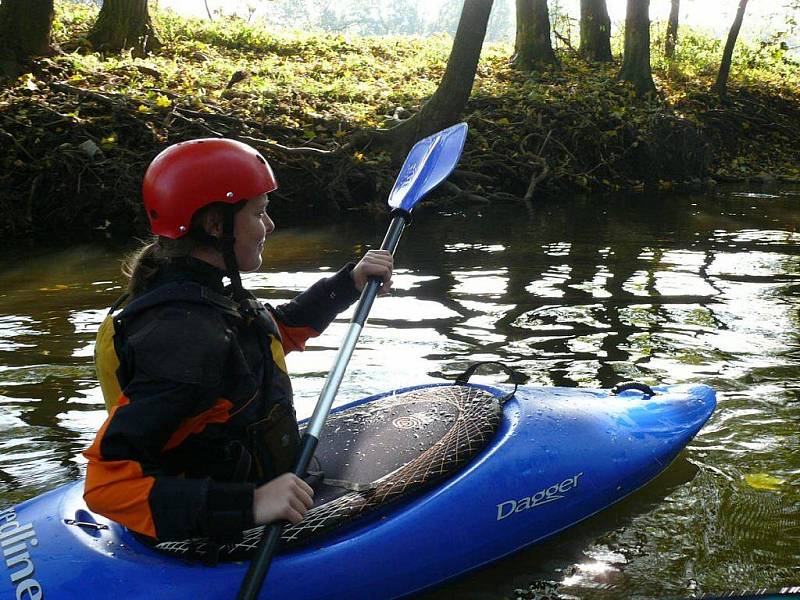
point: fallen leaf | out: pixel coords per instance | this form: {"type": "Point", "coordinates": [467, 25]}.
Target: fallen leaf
{"type": "Point", "coordinates": [764, 481]}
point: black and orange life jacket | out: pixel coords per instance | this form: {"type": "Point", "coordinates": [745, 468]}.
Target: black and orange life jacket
{"type": "Point", "coordinates": [261, 419]}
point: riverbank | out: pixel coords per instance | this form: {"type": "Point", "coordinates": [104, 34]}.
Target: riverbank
{"type": "Point", "coordinates": [78, 131]}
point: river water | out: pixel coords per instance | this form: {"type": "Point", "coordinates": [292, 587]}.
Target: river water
{"type": "Point", "coordinates": [576, 292]}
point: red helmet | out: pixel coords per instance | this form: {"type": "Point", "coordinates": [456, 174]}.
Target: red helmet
{"type": "Point", "coordinates": [190, 175]}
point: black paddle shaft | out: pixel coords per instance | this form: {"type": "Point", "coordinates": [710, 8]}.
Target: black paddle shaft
{"type": "Point", "coordinates": [390, 241]}
{"type": "Point", "coordinates": [259, 565]}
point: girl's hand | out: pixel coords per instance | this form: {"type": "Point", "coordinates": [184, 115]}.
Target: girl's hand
{"type": "Point", "coordinates": [285, 498]}
{"type": "Point", "coordinates": [378, 263]}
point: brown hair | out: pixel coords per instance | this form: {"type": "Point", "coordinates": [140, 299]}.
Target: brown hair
{"type": "Point", "coordinates": [143, 264]}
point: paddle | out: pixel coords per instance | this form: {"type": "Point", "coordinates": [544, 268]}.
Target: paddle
{"type": "Point", "coordinates": [429, 163]}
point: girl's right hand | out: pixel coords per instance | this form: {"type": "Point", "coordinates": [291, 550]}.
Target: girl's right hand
{"type": "Point", "coordinates": [285, 498]}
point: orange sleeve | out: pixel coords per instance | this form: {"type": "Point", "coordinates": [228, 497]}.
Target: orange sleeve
{"type": "Point", "coordinates": [118, 489]}
{"type": "Point", "coordinates": [294, 338]}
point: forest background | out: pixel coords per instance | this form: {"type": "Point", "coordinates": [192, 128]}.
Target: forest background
{"type": "Point", "coordinates": [334, 93]}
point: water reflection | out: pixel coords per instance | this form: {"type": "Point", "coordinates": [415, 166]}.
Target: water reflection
{"type": "Point", "coordinates": [577, 292]}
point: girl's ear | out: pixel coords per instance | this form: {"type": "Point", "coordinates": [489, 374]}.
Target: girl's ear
{"type": "Point", "coordinates": [212, 223]}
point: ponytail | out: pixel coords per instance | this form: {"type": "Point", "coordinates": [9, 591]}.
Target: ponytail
{"type": "Point", "coordinates": [143, 264]}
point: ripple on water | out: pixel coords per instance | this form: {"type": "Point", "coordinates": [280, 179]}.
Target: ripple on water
{"type": "Point", "coordinates": [596, 292]}
{"type": "Point", "coordinates": [14, 331]}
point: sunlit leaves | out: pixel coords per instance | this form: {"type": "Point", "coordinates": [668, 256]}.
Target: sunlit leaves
{"type": "Point", "coordinates": [108, 141]}
{"type": "Point", "coordinates": [321, 87]}
{"type": "Point", "coordinates": [764, 481]}
{"type": "Point", "coordinates": [28, 82]}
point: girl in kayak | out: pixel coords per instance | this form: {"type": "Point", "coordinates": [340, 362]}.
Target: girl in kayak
{"type": "Point", "coordinates": [201, 431]}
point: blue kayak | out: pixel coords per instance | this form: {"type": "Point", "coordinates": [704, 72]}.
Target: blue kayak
{"type": "Point", "coordinates": [555, 457]}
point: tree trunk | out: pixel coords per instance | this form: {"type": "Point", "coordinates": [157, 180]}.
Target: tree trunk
{"type": "Point", "coordinates": [24, 30]}
{"type": "Point", "coordinates": [450, 98]}
{"type": "Point", "coordinates": [122, 25]}
{"type": "Point", "coordinates": [721, 85]}
{"type": "Point", "coordinates": [595, 31]}
{"type": "Point", "coordinates": [636, 60]}
{"type": "Point", "coordinates": [672, 30]}
{"type": "Point", "coordinates": [533, 49]}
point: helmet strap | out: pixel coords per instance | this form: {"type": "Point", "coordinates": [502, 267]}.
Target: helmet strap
{"type": "Point", "coordinates": [226, 247]}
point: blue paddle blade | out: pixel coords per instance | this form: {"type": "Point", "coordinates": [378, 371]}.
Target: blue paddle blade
{"type": "Point", "coordinates": [428, 164]}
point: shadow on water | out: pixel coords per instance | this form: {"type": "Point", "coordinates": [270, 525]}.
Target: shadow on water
{"type": "Point", "coordinates": [578, 292]}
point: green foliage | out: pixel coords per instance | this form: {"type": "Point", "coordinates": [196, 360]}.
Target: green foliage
{"type": "Point", "coordinates": [698, 53]}
{"type": "Point", "coordinates": [72, 20]}
{"type": "Point", "coordinates": [299, 77]}
{"type": "Point", "coordinates": [355, 17]}
{"type": "Point", "coordinates": [327, 84]}
{"type": "Point", "coordinates": [502, 21]}
{"type": "Point", "coordinates": [576, 128]}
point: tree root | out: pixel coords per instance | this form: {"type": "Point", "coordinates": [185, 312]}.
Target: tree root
{"type": "Point", "coordinates": [536, 178]}
{"type": "Point", "coordinates": [462, 195]}
{"type": "Point", "coordinates": [198, 118]}
{"type": "Point", "coordinates": [285, 149]}
{"type": "Point", "coordinates": [544, 171]}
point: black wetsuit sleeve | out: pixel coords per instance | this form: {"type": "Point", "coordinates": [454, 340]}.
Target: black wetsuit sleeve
{"type": "Point", "coordinates": [140, 467]}
{"type": "Point", "coordinates": [310, 312]}
{"type": "Point", "coordinates": [130, 480]}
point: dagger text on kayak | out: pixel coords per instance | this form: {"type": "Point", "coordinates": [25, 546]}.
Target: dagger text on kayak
{"type": "Point", "coordinates": [543, 496]}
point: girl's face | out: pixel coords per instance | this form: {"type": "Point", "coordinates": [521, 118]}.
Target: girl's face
{"type": "Point", "coordinates": [251, 226]}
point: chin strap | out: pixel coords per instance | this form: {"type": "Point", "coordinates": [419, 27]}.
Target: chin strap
{"type": "Point", "coordinates": [249, 306]}
{"type": "Point", "coordinates": [225, 245]}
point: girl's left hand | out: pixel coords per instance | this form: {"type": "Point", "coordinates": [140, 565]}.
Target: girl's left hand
{"type": "Point", "coordinates": [375, 263]}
